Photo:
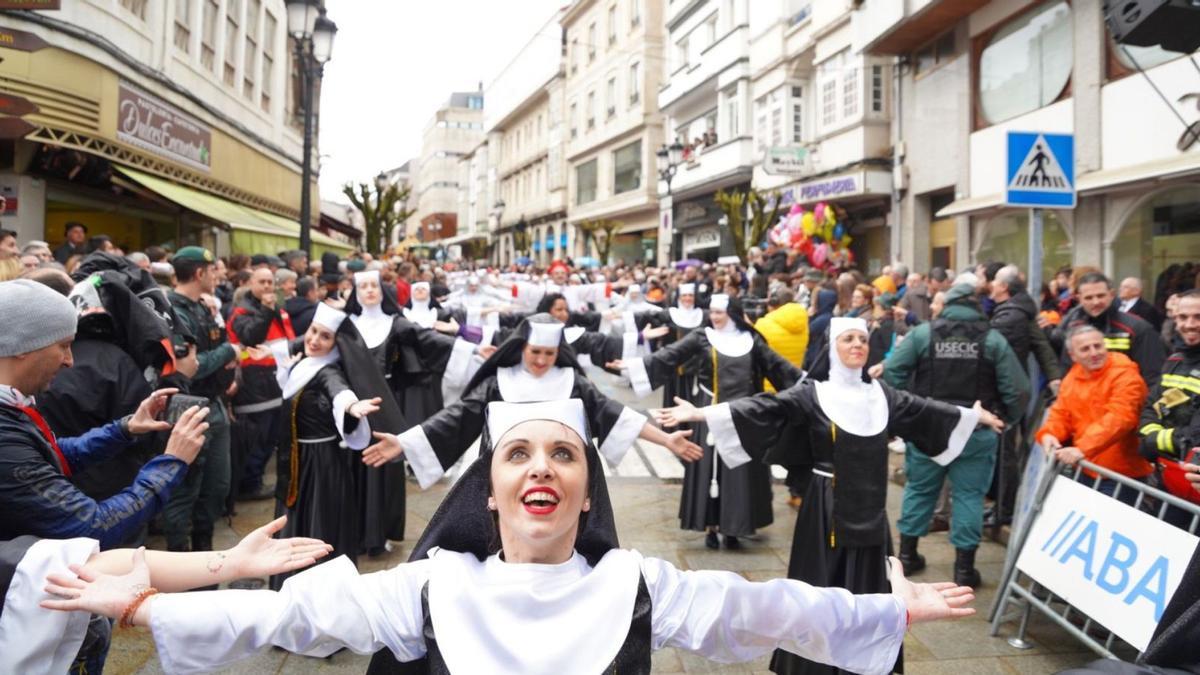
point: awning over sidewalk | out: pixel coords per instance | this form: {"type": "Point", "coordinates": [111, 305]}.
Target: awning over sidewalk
{"type": "Point", "coordinates": [971, 206]}
{"type": "Point", "coordinates": [253, 231]}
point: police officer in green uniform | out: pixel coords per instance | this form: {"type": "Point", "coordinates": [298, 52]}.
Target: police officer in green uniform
{"type": "Point", "coordinates": [959, 359]}
{"type": "Point", "coordinates": [197, 504]}
{"type": "Point", "coordinates": [1170, 421]}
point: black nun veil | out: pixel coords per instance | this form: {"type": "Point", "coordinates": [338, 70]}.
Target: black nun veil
{"type": "Point", "coordinates": [510, 351]}
{"type": "Point", "coordinates": [463, 523]}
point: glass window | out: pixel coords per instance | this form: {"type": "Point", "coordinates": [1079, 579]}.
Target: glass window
{"type": "Point", "coordinates": [183, 25]}
{"type": "Point", "coordinates": [135, 7]}
{"type": "Point", "coordinates": [585, 182]}
{"type": "Point", "coordinates": [233, 17]}
{"type": "Point", "coordinates": [627, 168]}
{"type": "Point", "coordinates": [797, 114]}
{"type": "Point", "coordinates": [574, 56]}
{"type": "Point", "coordinates": [760, 123]}
{"type": "Point", "coordinates": [591, 35]}
{"type": "Point", "coordinates": [733, 122]}
{"type": "Point", "coordinates": [612, 25]}
{"type": "Point", "coordinates": [268, 59]}
{"type": "Point", "coordinates": [850, 92]}
{"type": "Point", "coordinates": [829, 103]}
{"type": "Point", "coordinates": [635, 83]}
{"type": "Point", "coordinates": [635, 13]}
{"type": "Point", "coordinates": [572, 120]}
{"type": "Point", "coordinates": [1146, 57]}
{"type": "Point", "coordinates": [611, 92]}
{"type": "Point", "coordinates": [1027, 63]}
{"type": "Point", "coordinates": [681, 53]}
{"type": "Point", "coordinates": [710, 29]}
{"type": "Point", "coordinates": [591, 109]}
{"type": "Point", "coordinates": [208, 37]}
{"type": "Point", "coordinates": [1006, 238]}
{"type": "Point", "coordinates": [1158, 241]}
{"type": "Point", "coordinates": [876, 88]}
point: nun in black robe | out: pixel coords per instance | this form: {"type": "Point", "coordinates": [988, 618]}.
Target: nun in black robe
{"type": "Point", "coordinates": [434, 446]}
{"type": "Point", "coordinates": [398, 348]}
{"type": "Point", "coordinates": [317, 482]}
{"type": "Point", "coordinates": [841, 537]}
{"type": "Point", "coordinates": [732, 361]}
{"type": "Point", "coordinates": [682, 319]}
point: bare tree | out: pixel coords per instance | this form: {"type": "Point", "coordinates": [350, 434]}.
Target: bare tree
{"type": "Point", "coordinates": [748, 229]}
{"type": "Point", "coordinates": [381, 211]}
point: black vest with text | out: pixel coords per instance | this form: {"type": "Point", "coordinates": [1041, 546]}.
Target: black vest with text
{"type": "Point", "coordinates": [955, 369]}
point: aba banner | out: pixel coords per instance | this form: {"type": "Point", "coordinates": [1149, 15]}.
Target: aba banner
{"type": "Point", "coordinates": [1112, 562]}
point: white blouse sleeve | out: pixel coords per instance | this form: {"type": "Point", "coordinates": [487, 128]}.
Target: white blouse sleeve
{"type": "Point", "coordinates": [316, 613]}
{"type": "Point", "coordinates": [728, 619]}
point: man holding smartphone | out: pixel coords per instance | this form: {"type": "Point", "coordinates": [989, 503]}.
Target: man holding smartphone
{"type": "Point", "coordinates": [198, 503]}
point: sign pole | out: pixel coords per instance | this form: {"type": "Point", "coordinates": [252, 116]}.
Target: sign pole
{"type": "Point", "coordinates": [1034, 273]}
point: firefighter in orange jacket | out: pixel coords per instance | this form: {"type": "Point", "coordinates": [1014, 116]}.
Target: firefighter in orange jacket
{"type": "Point", "coordinates": [1096, 414]}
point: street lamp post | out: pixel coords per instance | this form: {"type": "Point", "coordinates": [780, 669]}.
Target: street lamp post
{"type": "Point", "coordinates": [498, 211]}
{"type": "Point", "coordinates": [669, 159]}
{"type": "Point", "coordinates": [313, 33]}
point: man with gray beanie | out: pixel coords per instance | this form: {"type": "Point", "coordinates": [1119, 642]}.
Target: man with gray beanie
{"type": "Point", "coordinates": [36, 495]}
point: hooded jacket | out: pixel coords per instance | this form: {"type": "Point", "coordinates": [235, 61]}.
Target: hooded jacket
{"type": "Point", "coordinates": [1097, 412]}
{"type": "Point", "coordinates": [961, 305]}
{"type": "Point", "coordinates": [1016, 319]}
{"type": "Point", "coordinates": [786, 332]}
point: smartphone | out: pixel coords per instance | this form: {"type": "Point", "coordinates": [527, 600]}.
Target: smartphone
{"type": "Point", "coordinates": [179, 404]}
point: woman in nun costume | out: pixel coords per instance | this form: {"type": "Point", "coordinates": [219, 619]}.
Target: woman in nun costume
{"type": "Point", "coordinates": [732, 360]}
{"type": "Point", "coordinates": [535, 364]}
{"type": "Point", "coordinates": [679, 320]}
{"type": "Point", "coordinates": [519, 572]}
{"type": "Point", "coordinates": [325, 426]}
{"type": "Point", "coordinates": [378, 339]}
{"type": "Point", "coordinates": [841, 537]}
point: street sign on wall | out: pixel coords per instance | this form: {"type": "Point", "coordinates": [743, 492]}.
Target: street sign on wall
{"type": "Point", "coordinates": [1040, 170]}
{"type": "Point", "coordinates": [790, 160]}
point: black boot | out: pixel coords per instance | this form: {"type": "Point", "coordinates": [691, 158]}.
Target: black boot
{"type": "Point", "coordinates": [711, 540]}
{"type": "Point", "coordinates": [965, 573]}
{"type": "Point", "coordinates": [732, 542]}
{"type": "Point", "coordinates": [910, 560]}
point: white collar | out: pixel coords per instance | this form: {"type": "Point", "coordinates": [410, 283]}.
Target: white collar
{"type": "Point", "coordinates": [373, 324]}
{"type": "Point", "coordinates": [11, 396]}
{"type": "Point", "coordinates": [850, 403]}
{"type": "Point", "coordinates": [573, 333]}
{"type": "Point", "coordinates": [518, 385]}
{"type": "Point", "coordinates": [304, 371]}
{"type": "Point", "coordinates": [490, 616]}
{"type": "Point", "coordinates": [686, 318]}
{"type": "Point", "coordinates": [730, 342]}
{"type": "Point", "coordinates": [424, 316]}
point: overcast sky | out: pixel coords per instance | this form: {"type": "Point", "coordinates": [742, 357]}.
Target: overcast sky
{"type": "Point", "coordinates": [395, 61]}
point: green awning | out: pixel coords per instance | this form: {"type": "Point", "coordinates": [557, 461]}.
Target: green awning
{"type": "Point", "coordinates": [253, 231]}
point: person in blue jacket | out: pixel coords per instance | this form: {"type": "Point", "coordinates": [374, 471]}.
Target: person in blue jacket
{"type": "Point", "coordinates": [36, 494]}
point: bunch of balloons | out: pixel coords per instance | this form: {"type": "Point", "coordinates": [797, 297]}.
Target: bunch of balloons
{"type": "Point", "coordinates": [816, 234]}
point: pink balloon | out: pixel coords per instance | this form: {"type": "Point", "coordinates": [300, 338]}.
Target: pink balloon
{"type": "Point", "coordinates": [820, 254]}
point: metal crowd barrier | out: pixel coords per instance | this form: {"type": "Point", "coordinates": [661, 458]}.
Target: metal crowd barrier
{"type": "Point", "coordinates": [1021, 594]}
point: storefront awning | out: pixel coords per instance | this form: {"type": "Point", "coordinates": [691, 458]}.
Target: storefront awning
{"type": "Point", "coordinates": [971, 205]}
{"type": "Point", "coordinates": [276, 233]}
{"type": "Point", "coordinates": [463, 238]}
{"type": "Point", "coordinates": [1163, 169]}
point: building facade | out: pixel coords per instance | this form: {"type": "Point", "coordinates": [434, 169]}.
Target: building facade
{"type": "Point", "coordinates": [452, 132]}
{"type": "Point", "coordinates": [614, 54]}
{"type": "Point", "coordinates": [974, 71]}
{"type": "Point", "coordinates": [168, 123]}
{"type": "Point", "coordinates": [525, 124]}
{"type": "Point", "coordinates": [706, 100]}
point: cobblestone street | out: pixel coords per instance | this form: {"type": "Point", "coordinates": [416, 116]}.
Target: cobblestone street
{"type": "Point", "coordinates": [646, 510]}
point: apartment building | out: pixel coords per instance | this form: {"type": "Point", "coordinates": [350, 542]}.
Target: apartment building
{"type": "Point", "coordinates": [173, 122]}
{"type": "Point", "coordinates": [454, 130]}
{"type": "Point", "coordinates": [821, 117]}
{"type": "Point", "coordinates": [706, 98]}
{"type": "Point", "coordinates": [525, 123]}
{"type": "Point", "coordinates": [973, 70]}
{"type": "Point", "coordinates": [471, 240]}
{"type": "Point", "coordinates": [614, 53]}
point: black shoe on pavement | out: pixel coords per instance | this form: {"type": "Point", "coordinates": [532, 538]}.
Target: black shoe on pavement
{"type": "Point", "coordinates": [910, 560]}
{"type": "Point", "coordinates": [732, 543]}
{"type": "Point", "coordinates": [711, 541]}
{"type": "Point", "coordinates": [965, 573]}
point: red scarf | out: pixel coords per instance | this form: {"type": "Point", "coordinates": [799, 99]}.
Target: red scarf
{"type": "Point", "coordinates": [40, 423]}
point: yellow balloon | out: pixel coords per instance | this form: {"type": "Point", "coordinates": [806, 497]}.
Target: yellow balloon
{"type": "Point", "coordinates": [808, 224]}
{"type": "Point", "coordinates": [846, 239]}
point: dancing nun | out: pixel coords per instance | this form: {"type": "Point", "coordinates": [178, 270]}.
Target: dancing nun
{"type": "Point", "coordinates": [522, 574]}
{"type": "Point", "coordinates": [731, 361]}
{"type": "Point", "coordinates": [841, 537]}
{"type": "Point", "coordinates": [325, 427]}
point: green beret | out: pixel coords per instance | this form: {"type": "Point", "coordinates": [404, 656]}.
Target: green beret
{"type": "Point", "coordinates": [355, 265]}
{"type": "Point", "coordinates": [194, 254]}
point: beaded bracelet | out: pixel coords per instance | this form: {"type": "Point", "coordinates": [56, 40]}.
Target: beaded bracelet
{"type": "Point", "coordinates": [127, 615]}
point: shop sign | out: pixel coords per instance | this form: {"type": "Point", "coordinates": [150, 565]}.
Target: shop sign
{"type": "Point", "coordinates": [17, 106]}
{"type": "Point", "coordinates": [30, 4]}
{"type": "Point", "coordinates": [152, 125]}
{"type": "Point", "coordinates": [823, 190]}
{"type": "Point", "coordinates": [786, 160]}
{"type": "Point", "coordinates": [708, 237]}
{"type": "Point", "coordinates": [20, 40]}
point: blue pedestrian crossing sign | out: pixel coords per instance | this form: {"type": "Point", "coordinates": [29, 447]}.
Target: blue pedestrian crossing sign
{"type": "Point", "coordinates": [1041, 170]}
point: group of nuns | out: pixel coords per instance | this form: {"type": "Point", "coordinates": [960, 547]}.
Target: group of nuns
{"type": "Point", "coordinates": [485, 589]}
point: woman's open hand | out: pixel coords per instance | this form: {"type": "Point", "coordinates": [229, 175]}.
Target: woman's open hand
{"type": "Point", "coordinates": [259, 555]}
{"type": "Point", "coordinates": [930, 602]}
{"type": "Point", "coordinates": [682, 413]}
{"type": "Point", "coordinates": [98, 593]}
